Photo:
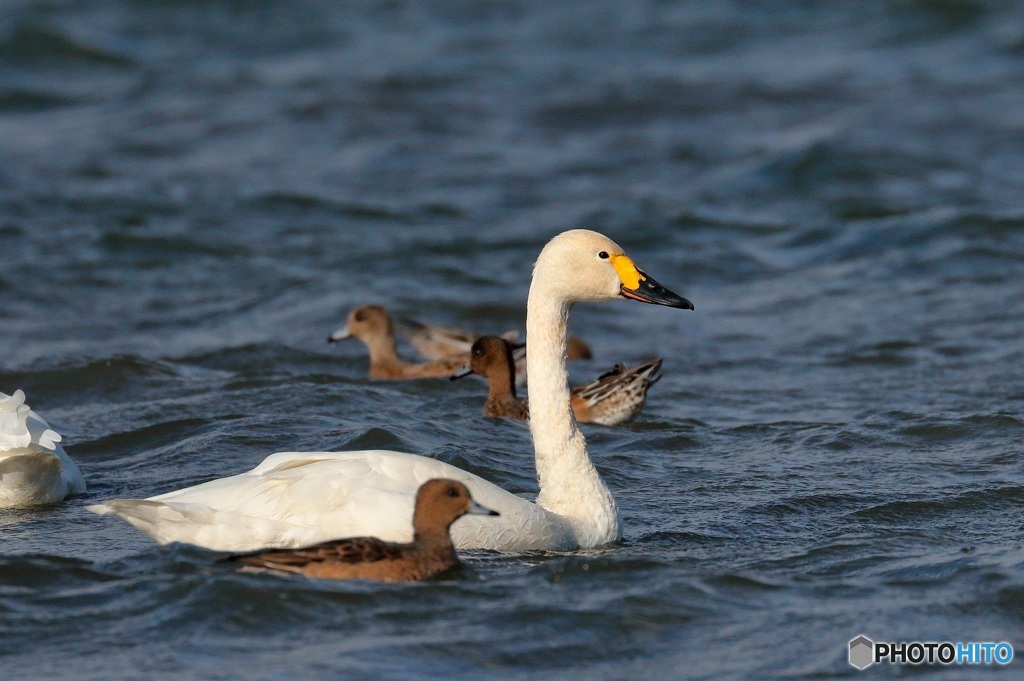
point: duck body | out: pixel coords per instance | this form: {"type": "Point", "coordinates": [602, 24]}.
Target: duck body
{"type": "Point", "coordinates": [34, 468]}
{"type": "Point", "coordinates": [296, 499]}
{"type": "Point", "coordinates": [439, 503]}
{"type": "Point", "coordinates": [434, 341]}
{"type": "Point", "coordinates": [358, 558]}
{"type": "Point", "coordinates": [507, 406]}
{"type": "Point", "coordinates": [616, 396]}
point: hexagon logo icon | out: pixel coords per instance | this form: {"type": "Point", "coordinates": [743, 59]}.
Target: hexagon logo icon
{"type": "Point", "coordinates": [862, 652]}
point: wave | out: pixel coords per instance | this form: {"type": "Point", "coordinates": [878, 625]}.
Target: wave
{"type": "Point", "coordinates": [34, 45]}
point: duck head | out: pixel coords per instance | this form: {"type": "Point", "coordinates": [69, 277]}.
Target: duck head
{"type": "Point", "coordinates": [440, 502]}
{"type": "Point", "coordinates": [364, 322]}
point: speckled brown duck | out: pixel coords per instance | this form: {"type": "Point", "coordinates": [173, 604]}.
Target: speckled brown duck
{"type": "Point", "coordinates": [373, 326]}
{"type": "Point", "coordinates": [439, 503]}
{"type": "Point", "coordinates": [615, 397]}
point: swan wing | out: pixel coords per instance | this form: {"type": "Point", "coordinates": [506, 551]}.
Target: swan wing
{"type": "Point", "coordinates": [296, 499]}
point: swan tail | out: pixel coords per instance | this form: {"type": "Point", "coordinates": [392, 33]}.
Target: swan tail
{"type": "Point", "coordinates": [155, 518]}
{"type": "Point", "coordinates": [203, 526]}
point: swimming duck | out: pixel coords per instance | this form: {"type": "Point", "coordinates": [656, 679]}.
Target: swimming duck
{"type": "Point", "coordinates": [372, 325]}
{"type": "Point", "coordinates": [34, 468]}
{"type": "Point", "coordinates": [297, 499]}
{"type": "Point", "coordinates": [437, 342]}
{"type": "Point", "coordinates": [439, 503]}
{"type": "Point", "coordinates": [491, 357]}
{"type": "Point", "coordinates": [445, 342]}
{"type": "Point", "coordinates": [613, 398]}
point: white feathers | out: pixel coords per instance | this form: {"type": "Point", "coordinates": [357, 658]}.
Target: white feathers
{"type": "Point", "coordinates": [295, 499]}
{"type": "Point", "coordinates": [34, 469]}
{"type": "Point", "coordinates": [21, 427]}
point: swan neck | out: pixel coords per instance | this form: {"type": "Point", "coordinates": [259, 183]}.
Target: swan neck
{"type": "Point", "coordinates": [552, 423]}
{"type": "Point", "coordinates": [570, 485]}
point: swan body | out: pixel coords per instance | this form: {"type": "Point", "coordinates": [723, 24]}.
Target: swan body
{"type": "Point", "coordinates": [34, 468]}
{"type": "Point", "coordinates": [296, 499]}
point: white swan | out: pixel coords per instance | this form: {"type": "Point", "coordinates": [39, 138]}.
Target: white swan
{"type": "Point", "coordinates": [34, 469]}
{"type": "Point", "coordinates": [296, 499]}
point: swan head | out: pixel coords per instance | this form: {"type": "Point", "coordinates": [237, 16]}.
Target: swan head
{"type": "Point", "coordinates": [368, 321]}
{"type": "Point", "coordinates": [583, 266]}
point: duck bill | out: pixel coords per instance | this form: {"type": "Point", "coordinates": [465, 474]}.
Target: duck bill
{"type": "Point", "coordinates": [461, 373]}
{"type": "Point", "coordinates": [339, 335]}
{"type": "Point", "coordinates": [477, 509]}
{"type": "Point", "coordinates": [648, 290]}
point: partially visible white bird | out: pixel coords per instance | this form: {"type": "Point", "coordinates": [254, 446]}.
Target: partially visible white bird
{"type": "Point", "coordinates": [34, 468]}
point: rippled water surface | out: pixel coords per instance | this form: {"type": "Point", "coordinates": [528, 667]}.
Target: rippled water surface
{"type": "Point", "coordinates": [194, 193]}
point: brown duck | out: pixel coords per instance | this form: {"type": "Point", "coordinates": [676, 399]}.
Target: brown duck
{"type": "Point", "coordinates": [372, 325]}
{"type": "Point", "coordinates": [435, 342]}
{"type": "Point", "coordinates": [444, 342]}
{"type": "Point", "coordinates": [615, 397]}
{"type": "Point", "coordinates": [439, 503]}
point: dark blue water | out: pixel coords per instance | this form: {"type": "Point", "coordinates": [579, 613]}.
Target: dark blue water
{"type": "Point", "coordinates": [194, 193]}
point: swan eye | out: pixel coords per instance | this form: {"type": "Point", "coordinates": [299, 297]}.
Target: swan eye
{"type": "Point", "coordinates": [603, 255]}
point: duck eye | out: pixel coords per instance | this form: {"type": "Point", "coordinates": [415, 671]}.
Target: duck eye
{"type": "Point", "coordinates": [603, 255]}
{"type": "Point", "coordinates": [360, 316]}
{"type": "Point", "coordinates": [452, 492]}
